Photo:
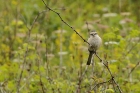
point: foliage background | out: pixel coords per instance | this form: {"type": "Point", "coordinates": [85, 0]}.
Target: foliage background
{"type": "Point", "coordinates": [47, 56]}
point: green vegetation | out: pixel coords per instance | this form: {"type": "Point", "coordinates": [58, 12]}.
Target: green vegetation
{"type": "Point", "coordinates": [39, 53]}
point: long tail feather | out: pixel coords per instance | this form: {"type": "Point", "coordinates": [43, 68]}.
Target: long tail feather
{"type": "Point", "coordinates": [89, 57]}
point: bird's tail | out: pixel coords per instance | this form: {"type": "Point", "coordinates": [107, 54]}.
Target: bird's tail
{"type": "Point", "coordinates": [90, 57]}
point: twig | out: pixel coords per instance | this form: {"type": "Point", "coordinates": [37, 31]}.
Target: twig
{"type": "Point", "coordinates": [23, 65]}
{"type": "Point", "coordinates": [133, 68]}
{"type": "Point", "coordinates": [64, 21]}
{"type": "Point", "coordinates": [114, 86]}
{"type": "Point", "coordinates": [47, 61]}
{"type": "Point", "coordinates": [81, 78]}
{"type": "Point", "coordinates": [26, 80]}
{"type": "Point", "coordinates": [38, 64]}
{"type": "Point", "coordinates": [29, 33]}
{"type": "Point", "coordinates": [80, 75]}
{"type": "Point", "coordinates": [132, 47]}
{"type": "Point", "coordinates": [84, 41]}
{"type": "Point", "coordinates": [61, 47]}
{"type": "Point", "coordinates": [113, 78]}
{"type": "Point", "coordinates": [101, 83]}
{"type": "Point", "coordinates": [87, 27]}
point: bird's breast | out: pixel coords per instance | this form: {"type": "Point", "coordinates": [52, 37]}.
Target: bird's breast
{"type": "Point", "coordinates": [94, 42]}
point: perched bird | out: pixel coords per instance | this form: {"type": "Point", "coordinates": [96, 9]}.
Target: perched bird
{"type": "Point", "coordinates": [95, 41]}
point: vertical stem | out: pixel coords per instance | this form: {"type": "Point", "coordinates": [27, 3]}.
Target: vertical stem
{"type": "Point", "coordinates": [92, 61]}
{"type": "Point", "coordinates": [47, 61]}
{"type": "Point", "coordinates": [80, 75]}
{"type": "Point", "coordinates": [61, 46]}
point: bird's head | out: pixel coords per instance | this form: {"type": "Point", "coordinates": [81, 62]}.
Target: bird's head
{"type": "Point", "coordinates": [93, 33]}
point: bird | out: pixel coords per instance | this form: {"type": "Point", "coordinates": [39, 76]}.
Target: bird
{"type": "Point", "coordinates": [94, 41]}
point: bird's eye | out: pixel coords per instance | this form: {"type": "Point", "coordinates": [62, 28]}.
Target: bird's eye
{"type": "Point", "coordinates": [93, 34]}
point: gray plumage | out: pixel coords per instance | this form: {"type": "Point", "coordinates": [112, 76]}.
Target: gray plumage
{"type": "Point", "coordinates": [95, 41]}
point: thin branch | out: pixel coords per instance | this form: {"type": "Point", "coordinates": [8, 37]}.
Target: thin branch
{"type": "Point", "coordinates": [98, 57]}
{"type": "Point", "coordinates": [47, 61]}
{"type": "Point", "coordinates": [84, 41]}
{"type": "Point", "coordinates": [132, 47]}
{"type": "Point", "coordinates": [113, 78]}
{"type": "Point", "coordinates": [64, 21]}
{"type": "Point", "coordinates": [133, 68]}
{"type": "Point", "coordinates": [101, 83]}
{"type": "Point", "coordinates": [29, 33]}
{"type": "Point", "coordinates": [80, 75]}
{"type": "Point", "coordinates": [26, 80]}
{"type": "Point", "coordinates": [38, 64]}
{"type": "Point", "coordinates": [22, 69]}
{"type": "Point", "coordinates": [114, 86]}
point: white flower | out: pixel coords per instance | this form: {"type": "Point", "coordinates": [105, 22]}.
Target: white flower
{"type": "Point", "coordinates": [110, 15]}
{"type": "Point", "coordinates": [111, 43]}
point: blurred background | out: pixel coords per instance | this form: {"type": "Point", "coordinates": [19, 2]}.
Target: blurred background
{"type": "Point", "coordinates": [39, 53]}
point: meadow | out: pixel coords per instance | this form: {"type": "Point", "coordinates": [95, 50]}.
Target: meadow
{"type": "Point", "coordinates": [44, 49]}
